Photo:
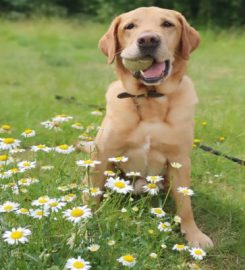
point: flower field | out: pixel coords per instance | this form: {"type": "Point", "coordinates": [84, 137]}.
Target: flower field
{"type": "Point", "coordinates": [44, 221]}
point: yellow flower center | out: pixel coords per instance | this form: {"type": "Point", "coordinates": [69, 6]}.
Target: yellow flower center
{"type": "Point", "coordinates": [118, 158]}
{"type": "Point", "coordinates": [198, 252]}
{"type": "Point", "coordinates": [8, 207]}
{"type": "Point", "coordinates": [128, 258]}
{"type": "Point", "coordinates": [179, 246]}
{"type": "Point", "coordinates": [158, 211]}
{"type": "Point", "coordinates": [120, 184]}
{"type": "Point", "coordinates": [151, 185]}
{"type": "Point", "coordinates": [8, 140]}
{"type": "Point", "coordinates": [23, 181]}
{"type": "Point", "coordinates": [14, 170]}
{"type": "Point", "coordinates": [6, 127]}
{"type": "Point", "coordinates": [185, 191]}
{"type": "Point", "coordinates": [78, 265]}
{"type": "Point", "coordinates": [39, 213]}
{"type": "Point", "coordinates": [88, 162]}
{"type": "Point", "coordinates": [42, 200]}
{"type": "Point", "coordinates": [93, 190]}
{"type": "Point", "coordinates": [24, 210]}
{"type": "Point", "coordinates": [53, 204]}
{"type": "Point", "coordinates": [3, 157]}
{"type": "Point", "coordinates": [77, 212]}
{"type": "Point", "coordinates": [78, 124]}
{"type": "Point", "coordinates": [154, 178]}
{"type": "Point", "coordinates": [64, 146]}
{"type": "Point", "coordinates": [26, 164]}
{"type": "Point", "coordinates": [28, 131]}
{"type": "Point", "coordinates": [164, 225]}
{"type": "Point", "coordinates": [41, 146]}
{"type": "Point", "coordinates": [16, 235]}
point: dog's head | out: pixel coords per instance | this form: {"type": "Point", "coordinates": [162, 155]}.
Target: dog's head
{"type": "Point", "coordinates": [161, 34]}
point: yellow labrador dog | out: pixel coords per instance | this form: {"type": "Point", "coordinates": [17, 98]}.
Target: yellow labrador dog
{"type": "Point", "coordinates": [149, 113]}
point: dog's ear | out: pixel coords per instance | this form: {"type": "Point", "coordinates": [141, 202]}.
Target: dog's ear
{"type": "Point", "coordinates": [190, 38]}
{"type": "Point", "coordinates": [109, 42]}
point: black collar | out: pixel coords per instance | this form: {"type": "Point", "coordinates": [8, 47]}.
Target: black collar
{"type": "Point", "coordinates": [150, 94]}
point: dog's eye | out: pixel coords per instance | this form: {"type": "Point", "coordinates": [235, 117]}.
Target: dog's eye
{"type": "Point", "coordinates": [129, 26]}
{"type": "Point", "coordinates": [167, 24]}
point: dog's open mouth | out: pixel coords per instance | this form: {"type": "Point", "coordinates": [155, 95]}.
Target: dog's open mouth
{"type": "Point", "coordinates": [155, 73]}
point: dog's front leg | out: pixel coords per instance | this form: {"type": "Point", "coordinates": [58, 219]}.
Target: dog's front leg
{"type": "Point", "coordinates": [181, 178]}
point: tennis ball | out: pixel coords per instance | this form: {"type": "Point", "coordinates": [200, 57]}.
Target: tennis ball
{"type": "Point", "coordinates": [137, 64]}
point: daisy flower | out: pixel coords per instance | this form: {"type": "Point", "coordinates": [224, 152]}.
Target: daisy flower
{"type": "Point", "coordinates": [16, 236]}
{"type": "Point", "coordinates": [12, 171]}
{"type": "Point", "coordinates": [94, 247]}
{"type": "Point", "coordinates": [28, 133]}
{"type": "Point", "coordinates": [87, 163]}
{"type": "Point", "coordinates": [38, 213]}
{"type": "Point", "coordinates": [154, 179]}
{"type": "Point", "coordinates": [69, 197]}
{"type": "Point", "coordinates": [5, 160]}
{"type": "Point", "coordinates": [179, 247]}
{"type": "Point", "coordinates": [43, 200]}
{"type": "Point", "coordinates": [9, 143]}
{"type": "Point", "coordinates": [5, 129]}
{"type": "Point", "coordinates": [60, 118]}
{"type": "Point", "coordinates": [76, 214]}
{"type": "Point", "coordinates": [185, 191]}
{"type": "Point", "coordinates": [197, 253]}
{"type": "Point", "coordinates": [93, 191]}
{"type": "Point", "coordinates": [153, 255]}
{"type": "Point", "coordinates": [118, 159]}
{"type": "Point", "coordinates": [25, 182]}
{"type": "Point", "coordinates": [176, 165]}
{"type": "Point", "coordinates": [127, 260]}
{"type": "Point", "coordinates": [118, 185]}
{"type": "Point", "coordinates": [163, 246]}
{"type": "Point", "coordinates": [9, 206]}
{"type": "Point", "coordinates": [77, 125]}
{"type": "Point", "coordinates": [158, 212]}
{"type": "Point", "coordinates": [54, 205]}
{"type": "Point", "coordinates": [97, 113]}
{"type": "Point", "coordinates": [26, 165]}
{"type": "Point", "coordinates": [51, 125]}
{"type": "Point", "coordinates": [177, 219]}
{"type": "Point", "coordinates": [22, 211]}
{"type": "Point", "coordinates": [164, 226]}
{"type": "Point", "coordinates": [109, 173]}
{"type": "Point", "coordinates": [77, 264]}
{"type": "Point", "coordinates": [151, 188]}
{"type": "Point", "coordinates": [40, 147]}
{"type": "Point", "coordinates": [111, 242]}
{"type": "Point", "coordinates": [124, 210]}
{"type": "Point", "coordinates": [132, 174]}
{"type": "Point", "coordinates": [64, 149]}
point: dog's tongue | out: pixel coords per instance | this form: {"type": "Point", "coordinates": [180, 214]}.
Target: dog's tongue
{"type": "Point", "coordinates": [154, 71]}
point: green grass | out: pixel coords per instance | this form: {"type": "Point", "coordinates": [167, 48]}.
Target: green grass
{"type": "Point", "coordinates": [41, 59]}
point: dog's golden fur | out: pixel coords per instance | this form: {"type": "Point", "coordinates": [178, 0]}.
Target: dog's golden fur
{"type": "Point", "coordinates": [155, 131]}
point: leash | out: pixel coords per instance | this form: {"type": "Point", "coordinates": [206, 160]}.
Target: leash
{"type": "Point", "coordinates": [218, 153]}
{"type": "Point", "coordinates": [152, 94]}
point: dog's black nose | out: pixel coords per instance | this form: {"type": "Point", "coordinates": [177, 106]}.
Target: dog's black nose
{"type": "Point", "coordinates": [148, 41]}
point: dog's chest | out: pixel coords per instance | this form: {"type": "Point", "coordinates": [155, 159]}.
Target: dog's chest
{"type": "Point", "coordinates": [144, 150]}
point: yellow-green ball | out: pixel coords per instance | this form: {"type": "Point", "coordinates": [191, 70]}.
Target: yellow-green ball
{"type": "Point", "coordinates": [137, 64]}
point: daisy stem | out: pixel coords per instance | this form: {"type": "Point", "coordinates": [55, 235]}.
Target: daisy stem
{"type": "Point", "coordinates": [169, 189]}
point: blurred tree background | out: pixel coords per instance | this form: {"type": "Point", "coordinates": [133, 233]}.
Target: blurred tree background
{"type": "Point", "coordinates": [224, 13]}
